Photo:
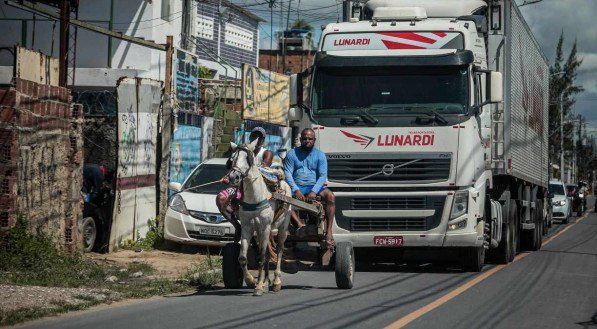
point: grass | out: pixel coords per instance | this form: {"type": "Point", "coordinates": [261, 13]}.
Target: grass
{"type": "Point", "coordinates": [28, 258]}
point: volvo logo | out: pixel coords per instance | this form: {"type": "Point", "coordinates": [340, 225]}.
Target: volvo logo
{"type": "Point", "coordinates": [387, 169]}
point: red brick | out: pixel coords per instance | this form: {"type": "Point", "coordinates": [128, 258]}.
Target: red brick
{"type": "Point", "coordinates": [7, 115]}
{"type": "Point", "coordinates": [8, 97]}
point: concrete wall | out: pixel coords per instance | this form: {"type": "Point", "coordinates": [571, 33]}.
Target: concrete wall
{"type": "Point", "coordinates": [232, 55]}
{"type": "Point", "coordinates": [41, 160]}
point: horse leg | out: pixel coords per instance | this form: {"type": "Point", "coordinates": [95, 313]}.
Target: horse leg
{"type": "Point", "coordinates": [263, 236]}
{"type": "Point", "coordinates": [282, 234]}
{"type": "Point", "coordinates": [242, 258]}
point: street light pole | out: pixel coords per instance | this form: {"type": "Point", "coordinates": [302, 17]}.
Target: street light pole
{"type": "Point", "coordinates": [562, 136]}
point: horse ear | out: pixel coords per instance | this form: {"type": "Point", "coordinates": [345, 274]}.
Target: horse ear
{"type": "Point", "coordinates": [253, 144]}
{"type": "Point", "coordinates": [233, 146]}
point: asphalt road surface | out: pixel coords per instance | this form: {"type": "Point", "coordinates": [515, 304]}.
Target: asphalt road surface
{"type": "Point", "coordinates": [555, 287]}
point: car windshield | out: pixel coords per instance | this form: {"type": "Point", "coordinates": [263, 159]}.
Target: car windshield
{"type": "Point", "coordinates": [205, 174]}
{"type": "Point", "coordinates": [557, 189]}
{"type": "Point", "coordinates": [391, 90]}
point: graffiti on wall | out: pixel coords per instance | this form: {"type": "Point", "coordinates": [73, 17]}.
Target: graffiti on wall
{"type": "Point", "coordinates": [186, 83]}
{"type": "Point", "coordinates": [135, 203]}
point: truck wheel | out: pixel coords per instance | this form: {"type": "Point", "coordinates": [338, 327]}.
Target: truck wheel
{"type": "Point", "coordinates": [539, 226]}
{"type": "Point", "coordinates": [473, 259]}
{"type": "Point", "coordinates": [503, 252]}
{"type": "Point", "coordinates": [513, 224]}
{"type": "Point", "coordinates": [345, 264]}
{"type": "Point", "coordinates": [89, 232]}
{"type": "Point", "coordinates": [231, 271]}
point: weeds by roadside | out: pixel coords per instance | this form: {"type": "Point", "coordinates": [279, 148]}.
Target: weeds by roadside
{"type": "Point", "coordinates": [28, 259]}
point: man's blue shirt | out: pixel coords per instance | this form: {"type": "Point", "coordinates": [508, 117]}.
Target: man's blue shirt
{"type": "Point", "coordinates": [306, 169]}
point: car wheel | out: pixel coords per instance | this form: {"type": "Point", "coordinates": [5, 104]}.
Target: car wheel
{"type": "Point", "coordinates": [89, 233]}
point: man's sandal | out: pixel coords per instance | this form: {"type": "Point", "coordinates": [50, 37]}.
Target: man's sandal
{"type": "Point", "coordinates": [326, 244]}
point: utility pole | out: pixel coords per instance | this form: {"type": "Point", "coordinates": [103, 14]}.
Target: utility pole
{"type": "Point", "coordinates": [169, 55]}
{"type": "Point", "coordinates": [64, 38]}
{"type": "Point", "coordinates": [562, 136]}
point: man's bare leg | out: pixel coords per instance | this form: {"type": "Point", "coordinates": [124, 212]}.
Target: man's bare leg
{"type": "Point", "coordinates": [330, 209]}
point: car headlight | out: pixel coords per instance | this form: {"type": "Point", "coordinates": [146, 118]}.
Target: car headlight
{"type": "Point", "coordinates": [459, 204]}
{"type": "Point", "coordinates": [177, 204]}
{"type": "Point", "coordinates": [560, 203]}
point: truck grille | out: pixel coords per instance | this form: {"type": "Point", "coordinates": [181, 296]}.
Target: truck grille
{"type": "Point", "coordinates": [388, 170]}
{"type": "Point", "coordinates": [393, 224]}
{"type": "Point", "coordinates": [388, 203]}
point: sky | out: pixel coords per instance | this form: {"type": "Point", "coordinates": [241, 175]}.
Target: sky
{"type": "Point", "coordinates": [547, 19]}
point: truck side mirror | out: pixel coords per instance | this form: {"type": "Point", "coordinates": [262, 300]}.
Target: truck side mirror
{"type": "Point", "coordinates": [495, 89]}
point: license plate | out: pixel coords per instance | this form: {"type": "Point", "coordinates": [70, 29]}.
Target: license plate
{"type": "Point", "coordinates": [209, 230]}
{"type": "Point", "coordinates": [388, 241]}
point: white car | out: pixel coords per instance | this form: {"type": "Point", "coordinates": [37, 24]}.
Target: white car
{"type": "Point", "coordinates": [561, 204]}
{"type": "Point", "coordinates": [192, 216]}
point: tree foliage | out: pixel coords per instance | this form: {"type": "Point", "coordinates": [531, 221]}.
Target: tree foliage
{"type": "Point", "coordinates": [562, 89]}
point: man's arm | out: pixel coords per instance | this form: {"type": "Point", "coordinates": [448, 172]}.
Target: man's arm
{"type": "Point", "coordinates": [322, 172]}
{"type": "Point", "coordinates": [289, 170]}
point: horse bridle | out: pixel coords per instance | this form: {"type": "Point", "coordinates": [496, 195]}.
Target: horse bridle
{"type": "Point", "coordinates": [250, 160]}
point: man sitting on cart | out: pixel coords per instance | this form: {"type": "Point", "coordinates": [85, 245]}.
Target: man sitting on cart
{"type": "Point", "coordinates": [305, 168]}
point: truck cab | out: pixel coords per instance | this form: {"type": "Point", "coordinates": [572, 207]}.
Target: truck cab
{"type": "Point", "coordinates": [400, 99]}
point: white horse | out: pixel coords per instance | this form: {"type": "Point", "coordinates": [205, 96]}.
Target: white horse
{"type": "Point", "coordinates": [256, 214]}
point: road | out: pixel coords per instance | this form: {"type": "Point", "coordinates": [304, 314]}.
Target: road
{"type": "Point", "coordinates": [555, 287]}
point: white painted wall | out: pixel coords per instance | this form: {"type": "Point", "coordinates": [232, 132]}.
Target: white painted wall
{"type": "Point", "coordinates": [147, 19]}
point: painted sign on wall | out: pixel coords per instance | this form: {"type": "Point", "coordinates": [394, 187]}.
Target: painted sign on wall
{"type": "Point", "coordinates": [135, 202]}
{"type": "Point", "coordinates": [186, 146]}
{"type": "Point", "coordinates": [265, 95]}
{"type": "Point", "coordinates": [186, 83]}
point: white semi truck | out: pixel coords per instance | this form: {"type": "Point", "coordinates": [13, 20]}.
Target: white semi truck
{"type": "Point", "coordinates": [433, 116]}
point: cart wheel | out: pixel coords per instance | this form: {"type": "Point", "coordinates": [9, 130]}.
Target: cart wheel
{"type": "Point", "coordinates": [344, 265]}
{"type": "Point", "coordinates": [231, 271]}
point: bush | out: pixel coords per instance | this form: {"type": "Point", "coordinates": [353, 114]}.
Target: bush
{"type": "Point", "coordinates": [153, 239]}
{"type": "Point", "coordinates": [27, 258]}
{"type": "Point", "coordinates": [206, 273]}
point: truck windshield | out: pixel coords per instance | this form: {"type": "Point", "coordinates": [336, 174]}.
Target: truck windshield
{"type": "Point", "coordinates": [383, 92]}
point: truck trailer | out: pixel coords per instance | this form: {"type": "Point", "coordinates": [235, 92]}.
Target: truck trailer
{"type": "Point", "coordinates": [433, 117]}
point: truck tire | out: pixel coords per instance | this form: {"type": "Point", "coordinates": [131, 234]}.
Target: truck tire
{"type": "Point", "coordinates": [89, 233]}
{"type": "Point", "coordinates": [533, 238]}
{"type": "Point", "coordinates": [513, 221]}
{"type": "Point", "coordinates": [538, 241]}
{"type": "Point", "coordinates": [473, 259]}
{"type": "Point", "coordinates": [503, 253]}
{"type": "Point", "coordinates": [345, 265]}
{"type": "Point", "coordinates": [231, 270]}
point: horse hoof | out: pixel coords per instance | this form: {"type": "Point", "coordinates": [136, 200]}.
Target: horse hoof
{"type": "Point", "coordinates": [258, 292]}
{"type": "Point", "coordinates": [277, 287]}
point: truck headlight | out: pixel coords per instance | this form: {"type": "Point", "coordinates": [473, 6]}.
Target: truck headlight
{"type": "Point", "coordinates": [177, 204]}
{"type": "Point", "coordinates": [459, 204]}
{"type": "Point", "coordinates": [457, 225]}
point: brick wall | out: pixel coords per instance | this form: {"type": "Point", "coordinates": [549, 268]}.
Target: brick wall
{"type": "Point", "coordinates": [41, 160]}
{"type": "Point", "coordinates": [296, 61]}
{"type": "Point", "coordinates": [233, 55]}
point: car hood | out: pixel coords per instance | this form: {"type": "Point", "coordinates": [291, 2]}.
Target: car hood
{"type": "Point", "coordinates": [200, 202]}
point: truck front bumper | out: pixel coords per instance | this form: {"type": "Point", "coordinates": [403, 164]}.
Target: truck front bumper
{"type": "Point", "coordinates": [359, 227]}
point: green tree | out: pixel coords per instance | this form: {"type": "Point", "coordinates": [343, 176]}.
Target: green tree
{"type": "Point", "coordinates": [562, 83]}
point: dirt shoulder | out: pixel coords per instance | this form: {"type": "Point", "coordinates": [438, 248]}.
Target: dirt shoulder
{"type": "Point", "coordinates": [167, 264]}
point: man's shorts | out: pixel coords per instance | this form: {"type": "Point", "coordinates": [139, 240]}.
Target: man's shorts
{"type": "Point", "coordinates": [308, 188]}
{"type": "Point", "coordinates": [230, 191]}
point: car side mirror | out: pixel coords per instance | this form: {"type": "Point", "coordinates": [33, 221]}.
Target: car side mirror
{"type": "Point", "coordinates": [550, 195]}
{"type": "Point", "coordinates": [175, 186]}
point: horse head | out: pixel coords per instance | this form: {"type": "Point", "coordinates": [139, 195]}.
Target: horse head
{"type": "Point", "coordinates": [242, 159]}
